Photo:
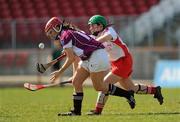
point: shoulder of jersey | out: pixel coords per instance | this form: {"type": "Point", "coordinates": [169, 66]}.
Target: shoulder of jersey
{"type": "Point", "coordinates": [92, 36]}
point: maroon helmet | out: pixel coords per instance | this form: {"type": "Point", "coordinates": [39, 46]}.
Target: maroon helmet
{"type": "Point", "coordinates": [52, 23]}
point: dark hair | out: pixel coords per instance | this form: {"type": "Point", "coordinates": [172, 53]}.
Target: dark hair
{"type": "Point", "coordinates": [71, 26]}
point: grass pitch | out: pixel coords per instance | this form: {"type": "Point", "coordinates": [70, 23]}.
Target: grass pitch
{"type": "Point", "coordinates": [21, 105]}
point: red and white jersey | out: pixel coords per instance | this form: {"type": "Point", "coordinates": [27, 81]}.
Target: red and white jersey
{"type": "Point", "coordinates": [116, 48]}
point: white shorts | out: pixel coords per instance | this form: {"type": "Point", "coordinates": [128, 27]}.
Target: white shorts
{"type": "Point", "coordinates": [98, 61]}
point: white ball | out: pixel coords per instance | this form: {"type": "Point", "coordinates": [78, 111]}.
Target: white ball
{"type": "Point", "coordinates": [41, 45]}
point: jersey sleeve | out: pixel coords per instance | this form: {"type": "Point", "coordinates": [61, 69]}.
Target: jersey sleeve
{"type": "Point", "coordinates": [67, 41]}
{"type": "Point", "coordinates": [92, 36]}
{"type": "Point", "coordinates": [68, 44]}
{"type": "Point", "coordinates": [112, 32]}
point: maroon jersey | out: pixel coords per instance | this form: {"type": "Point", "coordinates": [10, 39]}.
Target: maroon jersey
{"type": "Point", "coordinates": [82, 44]}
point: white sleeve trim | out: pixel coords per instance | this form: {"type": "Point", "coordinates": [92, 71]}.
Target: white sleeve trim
{"type": "Point", "coordinates": [68, 45]}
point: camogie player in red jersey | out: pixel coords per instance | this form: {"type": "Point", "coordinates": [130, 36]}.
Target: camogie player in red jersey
{"type": "Point", "coordinates": [121, 62]}
{"type": "Point", "coordinates": [94, 62]}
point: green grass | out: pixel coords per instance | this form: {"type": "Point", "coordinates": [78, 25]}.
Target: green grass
{"type": "Point", "coordinates": [21, 105]}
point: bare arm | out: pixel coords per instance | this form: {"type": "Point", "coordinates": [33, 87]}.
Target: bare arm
{"type": "Point", "coordinates": [104, 38]}
{"type": "Point", "coordinates": [69, 60]}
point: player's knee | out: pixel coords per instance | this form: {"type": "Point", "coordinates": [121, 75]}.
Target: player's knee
{"type": "Point", "coordinates": [99, 88]}
{"type": "Point", "coordinates": [76, 84]}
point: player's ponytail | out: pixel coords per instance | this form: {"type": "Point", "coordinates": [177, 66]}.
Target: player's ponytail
{"type": "Point", "coordinates": [71, 26]}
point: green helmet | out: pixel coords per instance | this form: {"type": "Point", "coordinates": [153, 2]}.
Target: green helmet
{"type": "Point", "coordinates": [98, 19]}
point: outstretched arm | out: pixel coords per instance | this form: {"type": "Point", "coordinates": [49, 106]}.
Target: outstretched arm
{"type": "Point", "coordinates": [104, 38]}
{"type": "Point", "coordinates": [69, 60]}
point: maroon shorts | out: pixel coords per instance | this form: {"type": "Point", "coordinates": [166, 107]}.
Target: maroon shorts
{"type": "Point", "coordinates": [122, 67]}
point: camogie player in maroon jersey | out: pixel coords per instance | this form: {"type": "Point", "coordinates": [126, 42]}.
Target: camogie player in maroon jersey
{"type": "Point", "coordinates": [121, 62]}
{"type": "Point", "coordinates": [94, 62]}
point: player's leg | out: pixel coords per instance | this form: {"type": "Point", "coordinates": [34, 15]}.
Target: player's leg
{"type": "Point", "coordinates": [142, 89]}
{"type": "Point", "coordinates": [113, 90]}
{"type": "Point", "coordinates": [99, 66]}
{"type": "Point", "coordinates": [138, 88]}
{"type": "Point", "coordinates": [119, 69]}
{"type": "Point", "coordinates": [79, 77]}
{"type": "Point", "coordinates": [97, 80]}
{"type": "Point", "coordinates": [116, 91]}
{"type": "Point", "coordinates": [124, 69]}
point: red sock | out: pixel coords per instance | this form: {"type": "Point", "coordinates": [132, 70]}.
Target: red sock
{"type": "Point", "coordinates": [151, 89]}
{"type": "Point", "coordinates": [99, 108]}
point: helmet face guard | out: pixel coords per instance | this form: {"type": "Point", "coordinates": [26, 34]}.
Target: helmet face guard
{"type": "Point", "coordinates": [52, 24]}
{"type": "Point", "coordinates": [52, 34]}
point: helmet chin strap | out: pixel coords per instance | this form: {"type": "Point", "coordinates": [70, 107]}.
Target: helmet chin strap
{"type": "Point", "coordinates": [58, 31]}
{"type": "Point", "coordinates": [96, 33]}
{"type": "Point", "coordinates": [57, 37]}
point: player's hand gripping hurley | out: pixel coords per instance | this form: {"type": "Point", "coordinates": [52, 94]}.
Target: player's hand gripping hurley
{"type": "Point", "coordinates": [43, 67]}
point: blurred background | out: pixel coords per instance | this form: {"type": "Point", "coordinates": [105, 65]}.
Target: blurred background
{"type": "Point", "coordinates": [150, 28]}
